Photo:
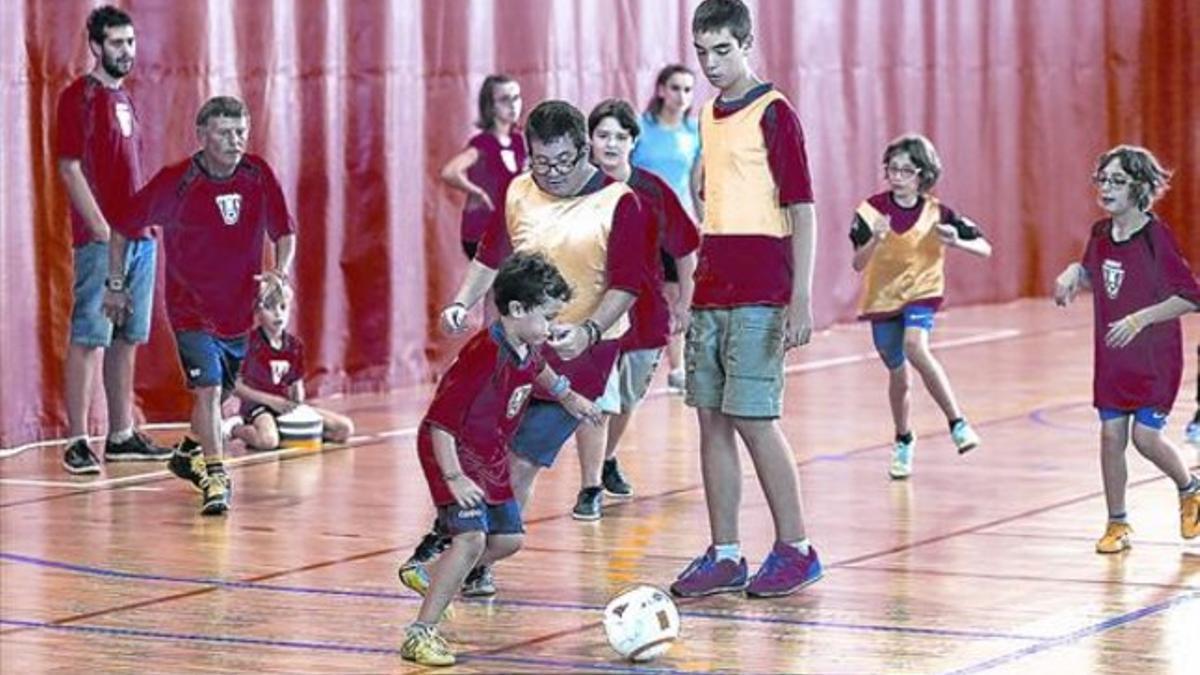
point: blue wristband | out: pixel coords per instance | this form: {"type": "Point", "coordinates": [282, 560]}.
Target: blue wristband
{"type": "Point", "coordinates": [562, 384]}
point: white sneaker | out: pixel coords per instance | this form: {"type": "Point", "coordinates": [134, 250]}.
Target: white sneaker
{"type": "Point", "coordinates": [228, 425]}
{"type": "Point", "coordinates": [965, 438]}
{"type": "Point", "coordinates": [902, 459]}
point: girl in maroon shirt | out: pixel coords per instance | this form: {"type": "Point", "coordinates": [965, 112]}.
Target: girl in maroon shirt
{"type": "Point", "coordinates": [1141, 286]}
{"type": "Point", "coordinates": [492, 157]}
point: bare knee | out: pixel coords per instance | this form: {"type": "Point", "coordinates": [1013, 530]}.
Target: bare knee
{"type": "Point", "coordinates": [1145, 439]}
{"type": "Point", "coordinates": [1114, 437]}
{"type": "Point", "coordinates": [917, 351]}
{"type": "Point", "coordinates": [503, 545]}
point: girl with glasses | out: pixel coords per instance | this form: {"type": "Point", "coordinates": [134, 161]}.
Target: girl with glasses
{"type": "Point", "coordinates": [900, 237]}
{"type": "Point", "coordinates": [1142, 285]}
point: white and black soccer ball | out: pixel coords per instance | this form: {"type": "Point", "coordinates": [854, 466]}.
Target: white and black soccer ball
{"type": "Point", "coordinates": [641, 623]}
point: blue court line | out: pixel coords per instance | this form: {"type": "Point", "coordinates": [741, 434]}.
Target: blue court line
{"type": "Point", "coordinates": [336, 647]}
{"type": "Point", "coordinates": [1075, 636]}
{"type": "Point", "coordinates": [533, 604]}
{"type": "Point", "coordinates": [1041, 416]}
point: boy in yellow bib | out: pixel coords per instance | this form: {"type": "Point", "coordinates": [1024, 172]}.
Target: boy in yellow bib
{"type": "Point", "coordinates": [900, 238]}
{"type": "Point", "coordinates": [752, 302]}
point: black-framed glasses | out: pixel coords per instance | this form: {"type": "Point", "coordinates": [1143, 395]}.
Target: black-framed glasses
{"type": "Point", "coordinates": [901, 172]}
{"type": "Point", "coordinates": [561, 165]}
{"type": "Point", "coordinates": [1116, 180]}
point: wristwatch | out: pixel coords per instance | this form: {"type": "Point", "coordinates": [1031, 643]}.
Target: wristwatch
{"type": "Point", "coordinates": [115, 284]}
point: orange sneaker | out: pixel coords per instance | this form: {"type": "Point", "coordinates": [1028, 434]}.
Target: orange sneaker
{"type": "Point", "coordinates": [1115, 539]}
{"type": "Point", "coordinates": [1189, 515]}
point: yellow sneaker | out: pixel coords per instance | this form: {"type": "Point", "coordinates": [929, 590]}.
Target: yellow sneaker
{"type": "Point", "coordinates": [1189, 515]}
{"type": "Point", "coordinates": [415, 577]}
{"type": "Point", "coordinates": [423, 645]}
{"type": "Point", "coordinates": [1115, 539]}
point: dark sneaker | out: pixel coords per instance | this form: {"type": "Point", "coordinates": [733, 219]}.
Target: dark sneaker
{"type": "Point", "coordinates": [79, 459]}
{"type": "Point", "coordinates": [479, 583]}
{"type": "Point", "coordinates": [614, 481]}
{"type": "Point", "coordinates": [216, 494]}
{"type": "Point", "coordinates": [588, 504]}
{"type": "Point", "coordinates": [784, 572]}
{"type": "Point", "coordinates": [432, 544]}
{"type": "Point", "coordinates": [191, 468]}
{"type": "Point", "coordinates": [136, 448]}
{"type": "Point", "coordinates": [706, 576]}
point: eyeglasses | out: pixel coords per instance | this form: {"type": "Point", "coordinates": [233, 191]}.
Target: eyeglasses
{"type": "Point", "coordinates": [1116, 180]}
{"type": "Point", "coordinates": [902, 172]}
{"type": "Point", "coordinates": [561, 165]}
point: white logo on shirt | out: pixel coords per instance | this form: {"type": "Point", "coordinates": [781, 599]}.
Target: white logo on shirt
{"type": "Point", "coordinates": [230, 206]}
{"type": "Point", "coordinates": [124, 114]}
{"type": "Point", "coordinates": [1114, 274]}
{"type": "Point", "coordinates": [518, 399]}
{"type": "Point", "coordinates": [279, 369]}
{"type": "Point", "coordinates": [510, 160]}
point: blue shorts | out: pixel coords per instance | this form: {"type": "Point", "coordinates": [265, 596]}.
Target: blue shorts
{"type": "Point", "coordinates": [1147, 417]}
{"type": "Point", "coordinates": [735, 360]}
{"type": "Point", "coordinates": [542, 432]}
{"type": "Point", "coordinates": [503, 518]}
{"type": "Point", "coordinates": [888, 334]}
{"type": "Point", "coordinates": [208, 360]}
{"type": "Point", "coordinates": [89, 326]}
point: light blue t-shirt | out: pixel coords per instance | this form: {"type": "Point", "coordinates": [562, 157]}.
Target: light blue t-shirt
{"type": "Point", "coordinates": [669, 154]}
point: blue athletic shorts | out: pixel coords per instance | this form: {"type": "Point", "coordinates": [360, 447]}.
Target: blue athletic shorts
{"type": "Point", "coordinates": [503, 518]}
{"type": "Point", "coordinates": [208, 360]}
{"type": "Point", "coordinates": [1147, 417]}
{"type": "Point", "coordinates": [888, 334]}
{"type": "Point", "coordinates": [544, 429]}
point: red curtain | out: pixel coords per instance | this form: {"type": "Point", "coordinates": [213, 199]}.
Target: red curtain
{"type": "Point", "coordinates": [357, 103]}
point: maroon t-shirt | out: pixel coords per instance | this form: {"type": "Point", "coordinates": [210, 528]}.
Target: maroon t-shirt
{"type": "Point", "coordinates": [213, 239]}
{"type": "Point", "coordinates": [495, 168]}
{"type": "Point", "coordinates": [1126, 277]}
{"type": "Point", "coordinates": [631, 258]}
{"type": "Point", "coordinates": [99, 127]}
{"type": "Point", "coordinates": [272, 370]}
{"type": "Point", "coordinates": [676, 237]}
{"type": "Point", "coordinates": [479, 402]}
{"type": "Point", "coordinates": [737, 270]}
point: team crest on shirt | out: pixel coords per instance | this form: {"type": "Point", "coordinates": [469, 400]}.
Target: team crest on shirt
{"type": "Point", "coordinates": [279, 369]}
{"type": "Point", "coordinates": [124, 114]}
{"type": "Point", "coordinates": [509, 158]}
{"type": "Point", "coordinates": [230, 206]}
{"type": "Point", "coordinates": [518, 399]}
{"type": "Point", "coordinates": [1114, 274]}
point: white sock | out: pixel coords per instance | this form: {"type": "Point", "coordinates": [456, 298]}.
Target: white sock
{"type": "Point", "coordinates": [728, 551]}
{"type": "Point", "coordinates": [121, 436]}
{"type": "Point", "coordinates": [800, 545]}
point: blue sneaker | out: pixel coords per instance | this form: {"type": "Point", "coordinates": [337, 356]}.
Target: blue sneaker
{"type": "Point", "coordinates": [707, 576]}
{"type": "Point", "coordinates": [785, 571]}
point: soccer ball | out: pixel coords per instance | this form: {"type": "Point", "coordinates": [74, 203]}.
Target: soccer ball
{"type": "Point", "coordinates": [641, 623]}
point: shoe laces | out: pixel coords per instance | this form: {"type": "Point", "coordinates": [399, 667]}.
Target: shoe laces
{"type": "Point", "coordinates": [773, 564]}
{"type": "Point", "coordinates": [704, 562]}
{"type": "Point", "coordinates": [220, 480]}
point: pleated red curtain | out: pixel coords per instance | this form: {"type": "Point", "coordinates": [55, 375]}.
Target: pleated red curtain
{"type": "Point", "coordinates": [357, 103]}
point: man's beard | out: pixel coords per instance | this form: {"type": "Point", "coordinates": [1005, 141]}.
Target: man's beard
{"type": "Point", "coordinates": [114, 68]}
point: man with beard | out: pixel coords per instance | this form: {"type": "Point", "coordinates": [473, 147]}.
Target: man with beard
{"type": "Point", "coordinates": [98, 135]}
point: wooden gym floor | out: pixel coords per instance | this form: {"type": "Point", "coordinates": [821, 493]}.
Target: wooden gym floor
{"type": "Point", "coordinates": [978, 563]}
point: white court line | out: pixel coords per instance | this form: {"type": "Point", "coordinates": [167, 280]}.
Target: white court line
{"type": "Point", "coordinates": [819, 364]}
{"type": "Point", "coordinates": [16, 450]}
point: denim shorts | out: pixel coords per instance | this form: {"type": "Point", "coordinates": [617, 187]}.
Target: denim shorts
{"type": "Point", "coordinates": [735, 360]}
{"type": "Point", "coordinates": [888, 334]}
{"type": "Point", "coordinates": [502, 518]}
{"type": "Point", "coordinates": [208, 360]}
{"type": "Point", "coordinates": [1147, 417]}
{"type": "Point", "coordinates": [89, 326]}
{"type": "Point", "coordinates": [544, 429]}
{"type": "Point", "coordinates": [636, 370]}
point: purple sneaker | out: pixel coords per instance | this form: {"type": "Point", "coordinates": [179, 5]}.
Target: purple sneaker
{"type": "Point", "coordinates": [784, 572]}
{"type": "Point", "coordinates": [706, 576]}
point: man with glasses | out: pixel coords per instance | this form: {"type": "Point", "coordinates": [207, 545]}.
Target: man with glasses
{"type": "Point", "coordinates": [591, 227]}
